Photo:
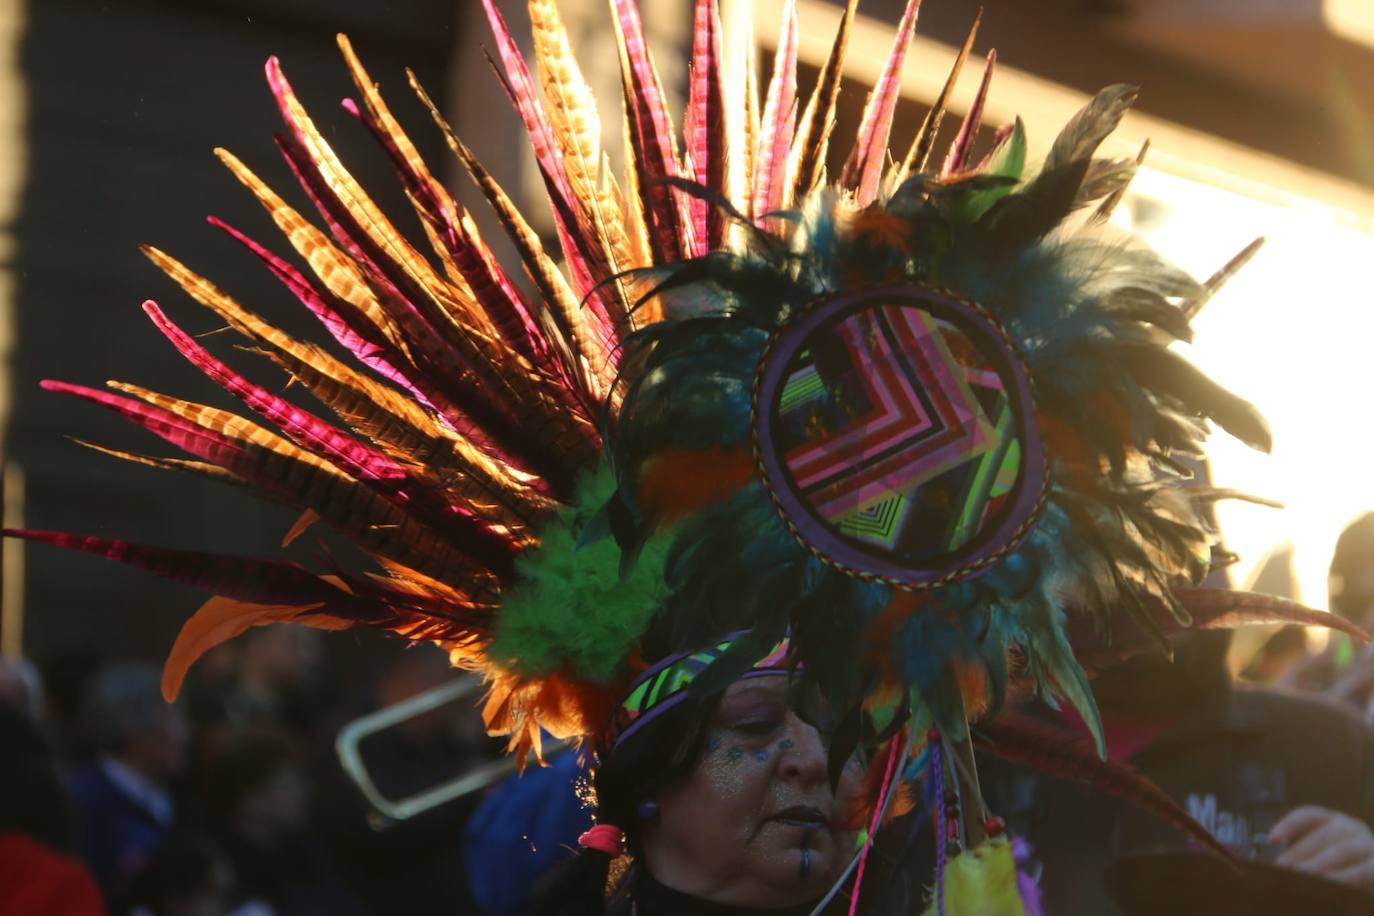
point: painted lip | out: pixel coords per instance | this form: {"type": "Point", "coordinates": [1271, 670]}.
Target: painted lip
{"type": "Point", "coordinates": [801, 816]}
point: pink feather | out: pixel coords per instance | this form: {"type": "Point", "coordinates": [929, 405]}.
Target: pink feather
{"type": "Point", "coordinates": [962, 147]}
{"type": "Point", "coordinates": [652, 139]}
{"type": "Point", "coordinates": [357, 335]}
{"type": "Point", "coordinates": [586, 265]}
{"type": "Point", "coordinates": [473, 386]}
{"type": "Point", "coordinates": [188, 436]}
{"type": "Point", "coordinates": [779, 121]}
{"type": "Point", "coordinates": [498, 297]}
{"type": "Point", "coordinates": [306, 429]}
{"type": "Point", "coordinates": [238, 577]}
{"type": "Point", "coordinates": [705, 133]}
{"type": "Point", "coordinates": [865, 166]}
{"type": "Point", "coordinates": [375, 468]}
{"type": "Point", "coordinates": [524, 95]}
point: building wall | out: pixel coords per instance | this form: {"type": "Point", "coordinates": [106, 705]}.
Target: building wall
{"type": "Point", "coordinates": [123, 104]}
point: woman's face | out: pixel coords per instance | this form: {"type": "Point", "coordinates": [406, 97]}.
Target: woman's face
{"type": "Point", "coordinates": [754, 823]}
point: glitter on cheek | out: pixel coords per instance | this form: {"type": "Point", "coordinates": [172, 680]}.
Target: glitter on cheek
{"type": "Point", "coordinates": [734, 754]}
{"type": "Point", "coordinates": [761, 756]}
{"type": "Point", "coordinates": [785, 744]}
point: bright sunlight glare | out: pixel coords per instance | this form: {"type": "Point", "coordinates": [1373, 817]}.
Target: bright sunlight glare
{"type": "Point", "coordinates": [1294, 333]}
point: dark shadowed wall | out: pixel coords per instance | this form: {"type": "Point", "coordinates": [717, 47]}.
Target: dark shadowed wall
{"type": "Point", "coordinates": [125, 101]}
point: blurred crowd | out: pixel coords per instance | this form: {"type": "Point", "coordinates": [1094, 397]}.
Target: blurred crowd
{"type": "Point", "coordinates": [232, 801]}
{"type": "Point", "coordinates": [1337, 667]}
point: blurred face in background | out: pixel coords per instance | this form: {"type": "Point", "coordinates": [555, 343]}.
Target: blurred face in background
{"type": "Point", "coordinates": [278, 805]}
{"type": "Point", "coordinates": [20, 687]}
{"type": "Point", "coordinates": [160, 752]}
{"type": "Point", "coordinates": [755, 822]}
{"type": "Point", "coordinates": [212, 900]}
{"type": "Point", "coordinates": [284, 655]}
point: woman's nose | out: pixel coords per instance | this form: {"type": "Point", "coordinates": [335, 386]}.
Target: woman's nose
{"type": "Point", "coordinates": [802, 752]}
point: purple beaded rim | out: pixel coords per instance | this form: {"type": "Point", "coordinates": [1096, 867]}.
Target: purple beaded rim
{"type": "Point", "coordinates": [1032, 486]}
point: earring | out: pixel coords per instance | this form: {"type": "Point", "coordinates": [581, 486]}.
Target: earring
{"type": "Point", "coordinates": [648, 809]}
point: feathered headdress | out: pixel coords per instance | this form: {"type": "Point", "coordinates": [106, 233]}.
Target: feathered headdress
{"type": "Point", "coordinates": [895, 427]}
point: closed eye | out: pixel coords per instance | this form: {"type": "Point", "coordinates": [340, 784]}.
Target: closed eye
{"type": "Point", "coordinates": [757, 727]}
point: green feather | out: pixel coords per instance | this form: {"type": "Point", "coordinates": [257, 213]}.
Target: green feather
{"type": "Point", "coordinates": [571, 611]}
{"type": "Point", "coordinates": [1008, 160]}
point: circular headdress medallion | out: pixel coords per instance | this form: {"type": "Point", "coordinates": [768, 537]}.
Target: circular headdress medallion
{"type": "Point", "coordinates": [895, 432]}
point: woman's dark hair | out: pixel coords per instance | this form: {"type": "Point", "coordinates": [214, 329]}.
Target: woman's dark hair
{"type": "Point", "coordinates": [658, 756]}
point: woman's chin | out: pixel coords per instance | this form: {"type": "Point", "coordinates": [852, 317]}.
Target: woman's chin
{"type": "Point", "coordinates": [800, 860]}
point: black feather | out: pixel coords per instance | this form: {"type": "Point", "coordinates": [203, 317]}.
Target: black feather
{"type": "Point", "coordinates": [1135, 303]}
{"type": "Point", "coordinates": [1167, 373]}
{"type": "Point", "coordinates": [1021, 218]}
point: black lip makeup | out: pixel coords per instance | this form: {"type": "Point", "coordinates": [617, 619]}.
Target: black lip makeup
{"type": "Point", "coordinates": [801, 816]}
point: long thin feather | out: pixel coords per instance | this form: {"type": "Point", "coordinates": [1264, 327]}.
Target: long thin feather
{"type": "Point", "coordinates": [269, 581]}
{"type": "Point", "coordinates": [576, 128]}
{"type": "Point", "coordinates": [512, 400]}
{"type": "Point", "coordinates": [584, 259]}
{"type": "Point", "coordinates": [498, 492]}
{"type": "Point", "coordinates": [1218, 608]}
{"type": "Point", "coordinates": [807, 160]}
{"type": "Point", "coordinates": [379, 119]}
{"type": "Point", "coordinates": [1166, 372]}
{"type": "Point", "coordinates": [346, 190]}
{"type": "Point", "coordinates": [744, 129]}
{"type": "Point", "coordinates": [204, 468]}
{"type": "Point", "coordinates": [652, 145]}
{"type": "Point", "coordinates": [918, 154]}
{"type": "Point", "coordinates": [520, 87]}
{"type": "Point", "coordinates": [778, 126]}
{"type": "Point", "coordinates": [573, 121]}
{"type": "Point", "coordinates": [253, 327]}
{"type": "Point", "coordinates": [961, 150]}
{"type": "Point", "coordinates": [309, 431]}
{"type": "Point", "coordinates": [351, 328]}
{"type": "Point", "coordinates": [705, 134]}
{"type": "Point", "coordinates": [291, 475]}
{"type": "Point", "coordinates": [1060, 753]}
{"type": "Point", "coordinates": [481, 274]}
{"type": "Point", "coordinates": [1105, 209]}
{"type": "Point", "coordinates": [338, 272]}
{"type": "Point", "coordinates": [407, 488]}
{"type": "Point", "coordinates": [566, 311]}
{"type": "Point", "coordinates": [864, 169]}
{"type": "Point", "coordinates": [1221, 277]}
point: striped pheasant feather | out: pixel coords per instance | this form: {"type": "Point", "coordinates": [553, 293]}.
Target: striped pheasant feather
{"type": "Point", "coordinates": [864, 168]}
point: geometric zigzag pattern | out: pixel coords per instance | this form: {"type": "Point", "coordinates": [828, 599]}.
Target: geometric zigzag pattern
{"type": "Point", "coordinates": [665, 684]}
{"type": "Point", "coordinates": [889, 415]}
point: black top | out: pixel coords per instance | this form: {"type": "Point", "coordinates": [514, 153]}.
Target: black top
{"type": "Point", "coordinates": [645, 896]}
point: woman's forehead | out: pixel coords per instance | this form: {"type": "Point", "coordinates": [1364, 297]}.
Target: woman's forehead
{"type": "Point", "coordinates": [771, 687]}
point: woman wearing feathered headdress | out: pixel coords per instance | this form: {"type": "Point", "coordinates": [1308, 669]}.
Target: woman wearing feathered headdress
{"type": "Point", "coordinates": [778, 468]}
